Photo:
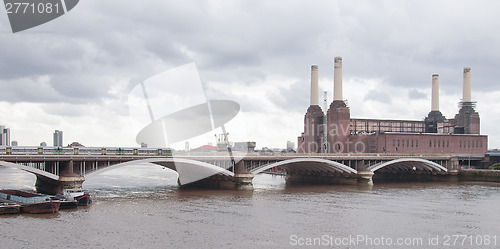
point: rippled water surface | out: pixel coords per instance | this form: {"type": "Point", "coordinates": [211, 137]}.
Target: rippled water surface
{"type": "Point", "coordinates": [142, 207]}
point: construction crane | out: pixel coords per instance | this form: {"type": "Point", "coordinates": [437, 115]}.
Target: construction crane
{"type": "Point", "coordinates": [223, 145]}
{"type": "Point", "coordinates": [222, 140]}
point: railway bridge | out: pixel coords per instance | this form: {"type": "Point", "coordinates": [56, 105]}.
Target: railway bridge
{"type": "Point", "coordinates": [57, 170]}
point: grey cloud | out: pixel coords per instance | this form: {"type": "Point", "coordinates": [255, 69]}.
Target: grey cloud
{"type": "Point", "coordinates": [416, 94]}
{"type": "Point", "coordinates": [293, 98]}
{"type": "Point", "coordinates": [81, 89]}
{"type": "Point", "coordinates": [67, 110]}
{"type": "Point", "coordinates": [247, 102]}
{"type": "Point", "coordinates": [21, 58]}
{"type": "Point", "coordinates": [410, 40]}
{"type": "Point", "coordinates": [28, 90]}
{"type": "Point", "coordinates": [401, 41]}
{"type": "Point", "coordinates": [100, 44]}
{"type": "Point", "coordinates": [378, 96]}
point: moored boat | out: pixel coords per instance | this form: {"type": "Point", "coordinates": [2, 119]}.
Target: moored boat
{"type": "Point", "coordinates": [84, 200]}
{"type": "Point", "coordinates": [65, 202]}
{"type": "Point", "coordinates": [31, 202]}
{"type": "Point", "coordinates": [41, 208]}
{"type": "Point", "coordinates": [82, 197]}
{"type": "Point", "coordinates": [9, 207]}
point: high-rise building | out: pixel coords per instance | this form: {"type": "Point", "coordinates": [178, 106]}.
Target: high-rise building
{"type": "Point", "coordinates": [4, 136]}
{"type": "Point", "coordinates": [58, 138]}
{"type": "Point", "coordinates": [2, 139]}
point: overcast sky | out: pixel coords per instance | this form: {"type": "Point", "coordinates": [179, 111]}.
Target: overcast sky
{"type": "Point", "coordinates": [74, 73]}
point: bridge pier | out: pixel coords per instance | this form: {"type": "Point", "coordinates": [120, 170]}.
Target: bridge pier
{"type": "Point", "coordinates": [53, 187]}
{"type": "Point", "coordinates": [454, 163]}
{"type": "Point", "coordinates": [67, 180]}
{"type": "Point", "coordinates": [238, 182]}
{"type": "Point", "coordinates": [242, 180]}
{"type": "Point", "coordinates": [365, 177]}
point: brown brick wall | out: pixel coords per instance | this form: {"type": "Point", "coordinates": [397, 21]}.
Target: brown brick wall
{"type": "Point", "coordinates": [431, 143]}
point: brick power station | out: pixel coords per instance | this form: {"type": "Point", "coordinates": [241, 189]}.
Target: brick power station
{"type": "Point", "coordinates": [337, 132]}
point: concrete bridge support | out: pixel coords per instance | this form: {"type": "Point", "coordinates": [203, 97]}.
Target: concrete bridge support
{"type": "Point", "coordinates": [454, 164]}
{"type": "Point", "coordinates": [67, 180]}
{"type": "Point", "coordinates": [213, 182]}
{"type": "Point", "coordinates": [241, 180]}
{"type": "Point", "coordinates": [365, 177]}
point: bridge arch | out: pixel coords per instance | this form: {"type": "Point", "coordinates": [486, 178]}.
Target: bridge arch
{"type": "Point", "coordinates": [409, 163]}
{"type": "Point", "coordinates": [30, 170]}
{"type": "Point", "coordinates": [188, 170]}
{"type": "Point", "coordinates": [315, 163]}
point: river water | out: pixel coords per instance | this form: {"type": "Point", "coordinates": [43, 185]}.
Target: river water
{"type": "Point", "coordinates": [141, 207]}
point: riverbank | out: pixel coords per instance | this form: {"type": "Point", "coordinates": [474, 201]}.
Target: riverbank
{"type": "Point", "coordinates": [479, 175]}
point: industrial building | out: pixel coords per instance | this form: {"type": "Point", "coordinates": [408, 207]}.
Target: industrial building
{"type": "Point", "coordinates": [336, 132]}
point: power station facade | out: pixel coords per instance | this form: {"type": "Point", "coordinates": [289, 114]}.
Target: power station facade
{"type": "Point", "coordinates": [336, 132]}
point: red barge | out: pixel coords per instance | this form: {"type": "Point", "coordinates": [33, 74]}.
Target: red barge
{"type": "Point", "coordinates": [9, 207]}
{"type": "Point", "coordinates": [30, 202]}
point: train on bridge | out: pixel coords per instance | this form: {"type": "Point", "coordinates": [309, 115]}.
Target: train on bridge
{"type": "Point", "coordinates": [33, 150]}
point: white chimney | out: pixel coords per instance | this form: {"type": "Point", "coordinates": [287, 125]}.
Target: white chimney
{"type": "Point", "coordinates": [314, 85]}
{"type": "Point", "coordinates": [337, 79]}
{"type": "Point", "coordinates": [467, 86]}
{"type": "Point", "coordinates": [435, 92]}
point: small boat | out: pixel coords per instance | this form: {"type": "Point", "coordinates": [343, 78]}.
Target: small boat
{"type": "Point", "coordinates": [41, 208]}
{"type": "Point", "coordinates": [84, 200]}
{"type": "Point", "coordinates": [30, 202]}
{"type": "Point", "coordinates": [79, 195]}
{"type": "Point", "coordinates": [9, 207]}
{"type": "Point", "coordinates": [65, 202]}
